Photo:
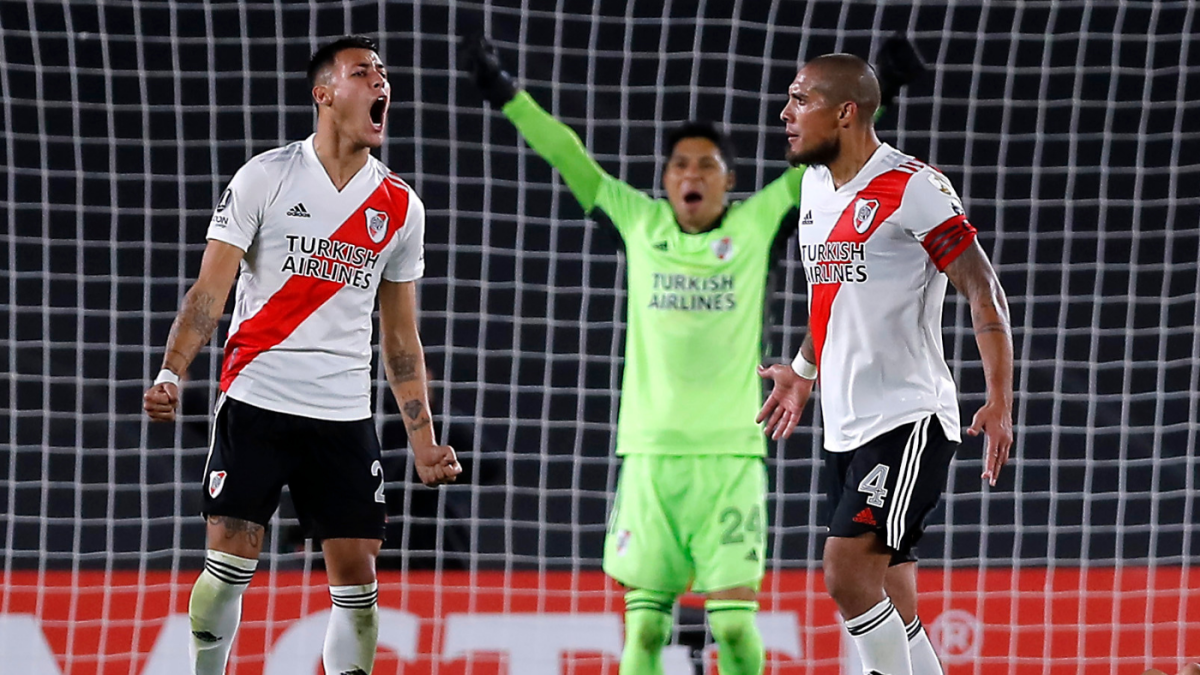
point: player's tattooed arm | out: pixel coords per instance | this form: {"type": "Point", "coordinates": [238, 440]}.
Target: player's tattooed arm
{"type": "Point", "coordinates": [406, 374]}
{"type": "Point", "coordinates": [415, 416]}
{"type": "Point", "coordinates": [973, 275]}
{"type": "Point", "coordinates": [404, 367]}
{"type": "Point", "coordinates": [404, 359]}
{"type": "Point", "coordinates": [806, 347]}
{"type": "Point", "coordinates": [203, 306]}
{"type": "Point", "coordinates": [194, 325]}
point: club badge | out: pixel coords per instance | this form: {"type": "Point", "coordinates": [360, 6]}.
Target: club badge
{"type": "Point", "coordinates": [723, 248]}
{"type": "Point", "coordinates": [623, 537]}
{"type": "Point", "coordinates": [864, 214]}
{"type": "Point", "coordinates": [376, 224]}
{"type": "Point", "coordinates": [216, 481]}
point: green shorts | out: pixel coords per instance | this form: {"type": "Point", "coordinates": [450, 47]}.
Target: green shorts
{"type": "Point", "coordinates": [682, 520]}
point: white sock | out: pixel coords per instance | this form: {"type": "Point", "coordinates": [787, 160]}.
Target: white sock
{"type": "Point", "coordinates": [882, 643]}
{"type": "Point", "coordinates": [215, 609]}
{"type": "Point", "coordinates": [353, 630]}
{"type": "Point", "coordinates": [924, 659]}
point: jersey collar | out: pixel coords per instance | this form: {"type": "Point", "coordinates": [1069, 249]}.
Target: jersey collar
{"type": "Point", "coordinates": [864, 175]}
{"type": "Point", "coordinates": [310, 153]}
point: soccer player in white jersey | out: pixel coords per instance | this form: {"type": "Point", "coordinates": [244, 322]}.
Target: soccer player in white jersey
{"type": "Point", "coordinates": [880, 233]}
{"type": "Point", "coordinates": [313, 232]}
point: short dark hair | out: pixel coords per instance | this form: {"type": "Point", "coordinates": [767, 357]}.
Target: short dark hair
{"type": "Point", "coordinates": [323, 57]}
{"type": "Point", "coordinates": [703, 129]}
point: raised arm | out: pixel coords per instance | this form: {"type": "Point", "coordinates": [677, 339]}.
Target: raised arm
{"type": "Point", "coordinates": [553, 140]}
{"type": "Point", "coordinates": [194, 326]}
{"type": "Point", "coordinates": [777, 199]}
{"type": "Point", "coordinates": [404, 360]}
{"type": "Point", "coordinates": [972, 274]}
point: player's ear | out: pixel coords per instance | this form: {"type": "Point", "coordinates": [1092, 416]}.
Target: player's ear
{"type": "Point", "coordinates": [730, 179]}
{"type": "Point", "coordinates": [847, 113]}
{"type": "Point", "coordinates": [321, 95]}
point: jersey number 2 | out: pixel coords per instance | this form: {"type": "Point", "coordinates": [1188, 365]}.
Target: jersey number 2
{"type": "Point", "coordinates": [872, 485]}
{"type": "Point", "coordinates": [377, 470]}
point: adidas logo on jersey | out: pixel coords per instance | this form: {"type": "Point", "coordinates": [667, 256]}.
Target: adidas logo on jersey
{"type": "Point", "coordinates": [807, 219]}
{"type": "Point", "coordinates": [865, 517]}
{"type": "Point", "coordinates": [298, 211]}
{"type": "Point", "coordinates": [661, 246]}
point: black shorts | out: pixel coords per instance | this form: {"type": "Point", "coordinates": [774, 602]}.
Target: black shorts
{"type": "Point", "coordinates": [332, 469]}
{"type": "Point", "coordinates": [889, 485]}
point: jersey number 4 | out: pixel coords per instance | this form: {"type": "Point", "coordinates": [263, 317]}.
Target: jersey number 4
{"type": "Point", "coordinates": [872, 485]}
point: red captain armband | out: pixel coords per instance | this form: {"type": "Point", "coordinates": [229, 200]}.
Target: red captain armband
{"type": "Point", "coordinates": [948, 240]}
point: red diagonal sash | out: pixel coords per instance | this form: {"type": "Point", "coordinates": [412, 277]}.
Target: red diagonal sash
{"type": "Point", "coordinates": [888, 188]}
{"type": "Point", "coordinates": [301, 296]}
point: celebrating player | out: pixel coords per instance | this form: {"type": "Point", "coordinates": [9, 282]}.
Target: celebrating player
{"type": "Point", "coordinates": [880, 234]}
{"type": "Point", "coordinates": [318, 229]}
{"type": "Point", "coordinates": [690, 505]}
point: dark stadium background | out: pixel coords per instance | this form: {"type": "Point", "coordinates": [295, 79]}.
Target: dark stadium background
{"type": "Point", "coordinates": [79, 243]}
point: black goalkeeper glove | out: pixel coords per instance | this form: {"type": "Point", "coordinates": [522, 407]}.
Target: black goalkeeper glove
{"type": "Point", "coordinates": [897, 64]}
{"type": "Point", "coordinates": [483, 63]}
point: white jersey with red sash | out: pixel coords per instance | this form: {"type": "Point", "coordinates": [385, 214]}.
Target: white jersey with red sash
{"type": "Point", "coordinates": [873, 251]}
{"type": "Point", "coordinates": [300, 339]}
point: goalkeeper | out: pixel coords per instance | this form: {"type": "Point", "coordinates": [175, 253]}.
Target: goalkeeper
{"type": "Point", "coordinates": [690, 508]}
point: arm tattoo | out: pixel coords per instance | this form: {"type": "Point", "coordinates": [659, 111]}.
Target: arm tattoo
{"type": "Point", "coordinates": [197, 312]}
{"type": "Point", "coordinates": [412, 409]}
{"type": "Point", "coordinates": [236, 526]}
{"type": "Point", "coordinates": [195, 316]}
{"type": "Point", "coordinates": [993, 327]}
{"type": "Point", "coordinates": [403, 366]}
{"type": "Point", "coordinates": [973, 276]}
{"type": "Point", "coordinates": [807, 348]}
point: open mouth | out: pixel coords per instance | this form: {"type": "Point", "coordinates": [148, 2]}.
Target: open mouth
{"type": "Point", "coordinates": [378, 108]}
{"type": "Point", "coordinates": [693, 197]}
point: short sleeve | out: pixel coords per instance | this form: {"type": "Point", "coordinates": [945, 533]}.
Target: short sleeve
{"type": "Point", "coordinates": [624, 205]}
{"type": "Point", "coordinates": [933, 213]}
{"type": "Point", "coordinates": [240, 209]}
{"type": "Point", "coordinates": [407, 262]}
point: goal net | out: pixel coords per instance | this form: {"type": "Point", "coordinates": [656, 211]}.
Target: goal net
{"type": "Point", "coordinates": [1069, 128]}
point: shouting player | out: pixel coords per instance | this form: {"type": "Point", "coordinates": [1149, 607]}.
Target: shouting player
{"type": "Point", "coordinates": [880, 234]}
{"type": "Point", "coordinates": [318, 228]}
{"type": "Point", "coordinates": [690, 504]}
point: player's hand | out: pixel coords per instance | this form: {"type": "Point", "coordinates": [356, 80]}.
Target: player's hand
{"type": "Point", "coordinates": [483, 63]}
{"type": "Point", "coordinates": [994, 421]}
{"type": "Point", "coordinates": [161, 401]}
{"type": "Point", "coordinates": [436, 464]}
{"type": "Point", "coordinates": [783, 407]}
{"type": "Point", "coordinates": [897, 64]}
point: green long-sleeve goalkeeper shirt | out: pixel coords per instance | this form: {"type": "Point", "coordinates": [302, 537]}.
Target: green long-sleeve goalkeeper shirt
{"type": "Point", "coordinates": [696, 302]}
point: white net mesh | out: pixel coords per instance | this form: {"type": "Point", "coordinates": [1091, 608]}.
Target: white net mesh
{"type": "Point", "coordinates": [1068, 128]}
